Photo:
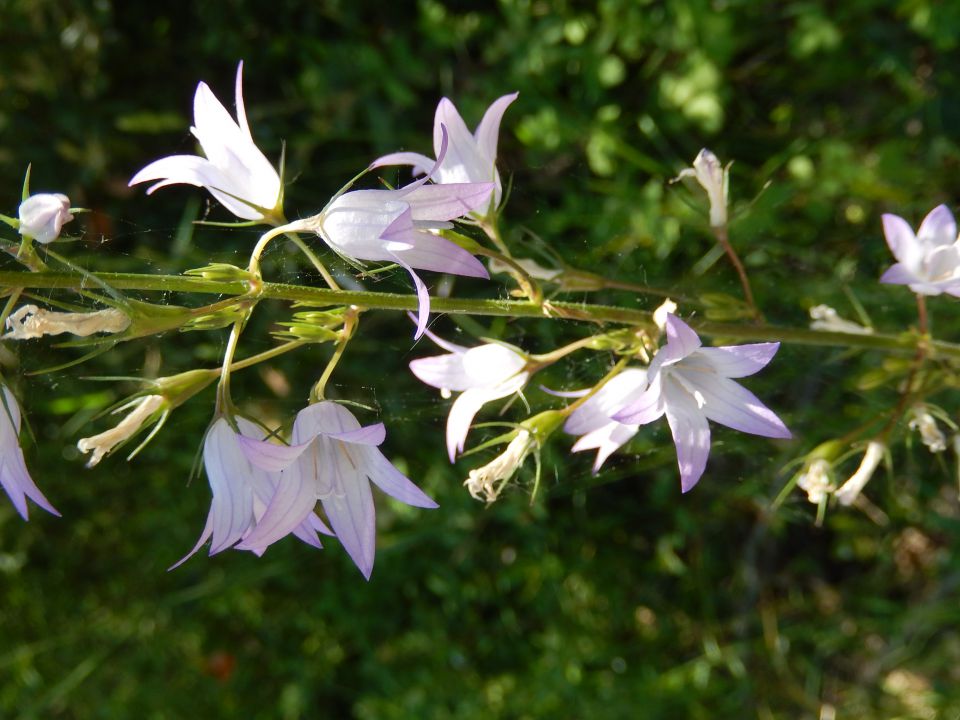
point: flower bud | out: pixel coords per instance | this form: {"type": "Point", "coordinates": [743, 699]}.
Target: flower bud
{"type": "Point", "coordinates": [713, 178]}
{"type": "Point", "coordinates": [43, 215]}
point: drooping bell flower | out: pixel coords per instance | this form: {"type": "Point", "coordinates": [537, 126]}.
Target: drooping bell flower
{"type": "Point", "coordinates": [332, 459]}
{"type": "Point", "coordinates": [14, 478]}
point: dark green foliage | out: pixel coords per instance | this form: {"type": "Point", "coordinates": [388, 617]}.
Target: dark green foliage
{"type": "Point", "coordinates": [606, 597]}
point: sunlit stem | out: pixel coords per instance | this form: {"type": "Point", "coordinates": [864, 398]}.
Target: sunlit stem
{"type": "Point", "coordinates": [224, 403]}
{"type": "Point", "coordinates": [267, 354]}
{"type": "Point", "coordinates": [254, 265]}
{"type": "Point", "coordinates": [538, 362]}
{"type": "Point", "coordinates": [27, 255]}
{"type": "Point", "coordinates": [350, 321]}
{"type": "Point", "coordinates": [314, 260]}
{"type": "Point", "coordinates": [900, 343]}
{"type": "Point", "coordinates": [8, 308]}
{"type": "Point", "coordinates": [720, 232]}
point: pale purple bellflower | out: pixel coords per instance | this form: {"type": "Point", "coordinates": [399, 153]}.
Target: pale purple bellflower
{"type": "Point", "coordinates": [691, 384]}
{"type": "Point", "coordinates": [234, 170]}
{"type": "Point", "coordinates": [470, 158]}
{"type": "Point", "coordinates": [398, 226]}
{"type": "Point", "coordinates": [14, 478]}
{"type": "Point", "coordinates": [929, 262]}
{"type": "Point", "coordinates": [481, 374]}
{"type": "Point", "coordinates": [331, 459]}
{"type": "Point", "coordinates": [242, 493]}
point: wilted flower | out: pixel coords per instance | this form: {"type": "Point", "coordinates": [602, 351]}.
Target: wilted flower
{"type": "Point", "coordinates": [242, 492]}
{"type": "Point", "coordinates": [481, 374]}
{"type": "Point", "coordinates": [691, 384]}
{"type": "Point", "coordinates": [929, 262]}
{"type": "Point", "coordinates": [332, 459]}
{"type": "Point", "coordinates": [29, 321]}
{"type": "Point", "coordinates": [594, 422]}
{"type": "Point", "coordinates": [471, 158]}
{"type": "Point", "coordinates": [42, 216]}
{"type": "Point", "coordinates": [815, 481]}
{"type": "Point", "coordinates": [485, 483]}
{"type": "Point", "coordinates": [14, 478]}
{"type": "Point", "coordinates": [142, 409]}
{"type": "Point", "coordinates": [234, 170]}
{"type": "Point", "coordinates": [930, 433]}
{"type": "Point", "coordinates": [713, 178]}
{"type": "Point", "coordinates": [850, 490]}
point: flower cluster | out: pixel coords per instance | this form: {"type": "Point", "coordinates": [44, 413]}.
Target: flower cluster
{"type": "Point", "coordinates": [264, 491]}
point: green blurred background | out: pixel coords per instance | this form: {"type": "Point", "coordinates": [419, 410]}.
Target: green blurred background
{"type": "Point", "coordinates": [606, 597]}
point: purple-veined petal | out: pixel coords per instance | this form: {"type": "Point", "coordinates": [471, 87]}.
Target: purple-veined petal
{"type": "Point", "coordinates": [269, 456]}
{"type": "Point", "coordinates": [729, 403]}
{"type": "Point", "coordinates": [294, 499]}
{"type": "Point", "coordinates": [349, 508]}
{"type": "Point", "coordinates": [393, 482]}
{"type": "Point", "coordinates": [431, 252]}
{"type": "Point", "coordinates": [488, 130]}
{"type": "Point", "coordinates": [448, 201]}
{"type": "Point", "coordinates": [681, 340]}
{"type": "Point", "coordinates": [421, 163]}
{"type": "Point", "coordinates": [597, 411]}
{"type": "Point", "coordinates": [423, 298]}
{"type": "Point", "coordinates": [901, 241]}
{"type": "Point", "coordinates": [736, 361]}
{"type": "Point", "coordinates": [937, 228]}
{"type": "Point", "coordinates": [204, 536]}
{"type": "Point", "coordinates": [367, 435]}
{"type": "Point", "coordinates": [227, 469]}
{"type": "Point", "coordinates": [461, 158]}
{"type": "Point", "coordinates": [648, 407]}
{"type": "Point", "coordinates": [691, 435]}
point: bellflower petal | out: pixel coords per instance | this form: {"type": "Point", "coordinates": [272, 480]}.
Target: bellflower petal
{"type": "Point", "coordinates": [234, 170]}
{"type": "Point", "coordinates": [691, 435]}
{"type": "Point", "coordinates": [469, 158]}
{"type": "Point", "coordinates": [737, 361]}
{"type": "Point", "coordinates": [938, 228]}
{"type": "Point", "coordinates": [14, 477]}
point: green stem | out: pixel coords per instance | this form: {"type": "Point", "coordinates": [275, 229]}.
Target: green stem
{"type": "Point", "coordinates": [905, 343]}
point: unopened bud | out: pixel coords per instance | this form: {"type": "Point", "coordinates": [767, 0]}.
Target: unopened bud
{"type": "Point", "coordinates": [713, 178]}
{"type": "Point", "coordinates": [42, 216]}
